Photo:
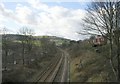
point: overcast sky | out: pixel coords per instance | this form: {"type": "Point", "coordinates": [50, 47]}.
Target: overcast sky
{"type": "Point", "coordinates": [58, 18]}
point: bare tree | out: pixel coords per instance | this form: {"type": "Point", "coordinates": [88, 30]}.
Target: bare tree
{"type": "Point", "coordinates": [5, 46]}
{"type": "Point", "coordinates": [29, 39]}
{"type": "Point", "coordinates": [26, 39]}
{"type": "Point", "coordinates": [103, 18]}
{"type": "Point", "coordinates": [117, 36]}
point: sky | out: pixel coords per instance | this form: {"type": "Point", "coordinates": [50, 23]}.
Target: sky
{"type": "Point", "coordinates": [54, 18]}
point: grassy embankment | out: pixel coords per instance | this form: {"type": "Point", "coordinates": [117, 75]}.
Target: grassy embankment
{"type": "Point", "coordinates": [89, 66]}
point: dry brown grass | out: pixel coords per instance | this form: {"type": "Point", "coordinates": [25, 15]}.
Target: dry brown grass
{"type": "Point", "coordinates": [94, 68]}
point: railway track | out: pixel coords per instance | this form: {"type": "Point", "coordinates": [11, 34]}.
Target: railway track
{"type": "Point", "coordinates": [50, 73]}
{"type": "Point", "coordinates": [58, 77]}
{"type": "Point", "coordinates": [63, 72]}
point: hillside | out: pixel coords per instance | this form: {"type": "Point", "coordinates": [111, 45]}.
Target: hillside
{"type": "Point", "coordinates": [23, 57]}
{"type": "Point", "coordinates": [57, 40]}
{"type": "Point", "coordinates": [86, 65]}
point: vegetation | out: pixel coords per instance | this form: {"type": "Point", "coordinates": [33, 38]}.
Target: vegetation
{"type": "Point", "coordinates": [103, 18]}
{"type": "Point", "coordinates": [25, 55]}
{"type": "Point", "coordinates": [38, 53]}
{"type": "Point", "coordinates": [87, 65]}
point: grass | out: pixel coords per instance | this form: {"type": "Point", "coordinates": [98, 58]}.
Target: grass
{"type": "Point", "coordinates": [95, 67]}
{"type": "Point", "coordinates": [43, 63]}
{"type": "Point", "coordinates": [20, 74]}
{"type": "Point", "coordinates": [36, 43]}
{"type": "Point", "coordinates": [23, 73]}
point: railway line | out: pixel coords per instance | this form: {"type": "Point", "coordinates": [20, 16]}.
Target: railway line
{"type": "Point", "coordinates": [59, 73]}
{"type": "Point", "coordinates": [52, 76]}
{"type": "Point", "coordinates": [49, 74]}
{"type": "Point", "coordinates": [63, 72]}
{"type": "Point", "coordinates": [57, 70]}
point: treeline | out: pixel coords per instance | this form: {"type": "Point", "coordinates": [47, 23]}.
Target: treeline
{"type": "Point", "coordinates": [23, 48]}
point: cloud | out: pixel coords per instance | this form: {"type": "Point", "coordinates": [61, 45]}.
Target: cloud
{"type": "Point", "coordinates": [24, 14]}
{"type": "Point", "coordinates": [47, 20]}
{"type": "Point", "coordinates": [38, 5]}
{"type": "Point", "coordinates": [61, 21]}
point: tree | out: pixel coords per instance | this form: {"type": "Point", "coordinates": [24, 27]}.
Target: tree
{"type": "Point", "coordinates": [103, 18]}
{"type": "Point", "coordinates": [29, 39]}
{"type": "Point", "coordinates": [5, 46]}
{"type": "Point", "coordinates": [48, 47]}
{"type": "Point", "coordinates": [45, 43]}
{"type": "Point", "coordinates": [117, 36]}
{"type": "Point", "coordinates": [26, 39]}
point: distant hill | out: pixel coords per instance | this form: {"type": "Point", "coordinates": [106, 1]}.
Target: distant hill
{"type": "Point", "coordinates": [12, 36]}
{"type": "Point", "coordinates": [57, 40]}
